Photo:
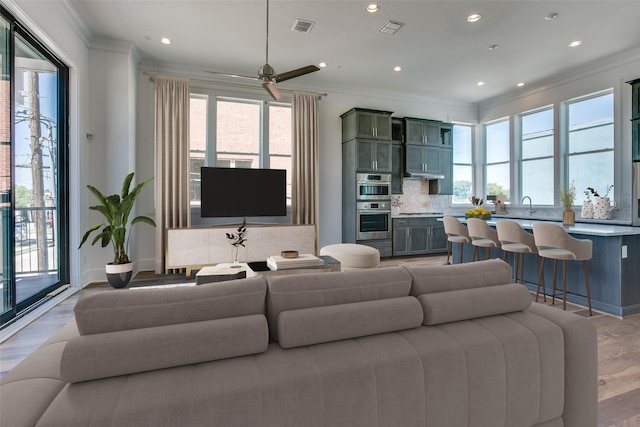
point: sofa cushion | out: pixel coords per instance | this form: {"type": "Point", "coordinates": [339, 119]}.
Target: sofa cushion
{"type": "Point", "coordinates": [109, 311]}
{"type": "Point", "coordinates": [337, 322]}
{"type": "Point", "coordinates": [439, 278]}
{"type": "Point", "coordinates": [90, 357]}
{"type": "Point", "coordinates": [452, 306]}
{"type": "Point", "coordinates": [318, 290]}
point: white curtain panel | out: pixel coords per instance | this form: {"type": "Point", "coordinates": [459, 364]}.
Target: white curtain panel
{"type": "Point", "coordinates": [304, 188]}
{"type": "Point", "coordinates": [172, 160]}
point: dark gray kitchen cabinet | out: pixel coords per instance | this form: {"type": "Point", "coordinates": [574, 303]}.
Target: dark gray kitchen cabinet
{"type": "Point", "coordinates": [369, 124]}
{"type": "Point", "coordinates": [420, 235]}
{"type": "Point", "coordinates": [397, 167]}
{"type": "Point", "coordinates": [422, 158]}
{"type": "Point", "coordinates": [635, 119]}
{"type": "Point", "coordinates": [372, 155]}
{"type": "Point", "coordinates": [421, 131]}
{"type": "Point", "coordinates": [445, 186]}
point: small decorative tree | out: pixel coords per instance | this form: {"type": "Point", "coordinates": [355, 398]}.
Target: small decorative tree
{"type": "Point", "coordinates": [567, 197]}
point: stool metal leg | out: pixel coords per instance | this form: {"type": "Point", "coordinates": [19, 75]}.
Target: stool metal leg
{"type": "Point", "coordinates": [541, 280]}
{"type": "Point", "coordinates": [553, 295]}
{"type": "Point", "coordinates": [461, 251]}
{"type": "Point", "coordinates": [449, 250]}
{"type": "Point", "coordinates": [564, 284]}
{"type": "Point", "coordinates": [521, 268]}
{"type": "Point", "coordinates": [586, 279]}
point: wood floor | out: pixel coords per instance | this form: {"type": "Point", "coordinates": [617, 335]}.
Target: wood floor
{"type": "Point", "coordinates": [618, 349]}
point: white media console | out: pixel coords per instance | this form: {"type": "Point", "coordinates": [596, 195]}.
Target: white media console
{"type": "Point", "coordinates": [193, 248]}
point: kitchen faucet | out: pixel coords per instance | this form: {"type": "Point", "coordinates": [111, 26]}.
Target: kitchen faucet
{"type": "Point", "coordinates": [531, 210]}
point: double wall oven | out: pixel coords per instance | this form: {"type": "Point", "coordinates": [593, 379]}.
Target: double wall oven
{"type": "Point", "coordinates": [373, 206]}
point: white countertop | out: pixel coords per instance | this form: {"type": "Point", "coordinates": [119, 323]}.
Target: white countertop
{"type": "Point", "coordinates": [603, 230]}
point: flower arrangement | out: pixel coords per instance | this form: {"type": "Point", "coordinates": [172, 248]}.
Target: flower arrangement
{"type": "Point", "coordinates": [395, 202]}
{"type": "Point", "coordinates": [567, 196]}
{"type": "Point", "coordinates": [591, 191]}
{"type": "Point", "coordinates": [236, 240]}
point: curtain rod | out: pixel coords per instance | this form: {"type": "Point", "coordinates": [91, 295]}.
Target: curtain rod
{"type": "Point", "coordinates": [152, 77]}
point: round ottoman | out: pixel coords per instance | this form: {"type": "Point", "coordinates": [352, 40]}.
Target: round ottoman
{"type": "Point", "coordinates": [353, 256]}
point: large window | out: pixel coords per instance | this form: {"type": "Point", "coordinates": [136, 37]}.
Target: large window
{"type": "Point", "coordinates": [497, 154]}
{"type": "Point", "coordinates": [590, 139]}
{"type": "Point", "coordinates": [536, 150]}
{"type": "Point", "coordinates": [238, 133]}
{"type": "Point", "coordinates": [462, 163]}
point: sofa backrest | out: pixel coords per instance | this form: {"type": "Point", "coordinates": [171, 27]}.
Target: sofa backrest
{"type": "Point", "coordinates": [109, 311]}
{"type": "Point", "coordinates": [451, 293]}
{"type": "Point", "coordinates": [313, 308]}
{"type": "Point", "coordinates": [126, 332]}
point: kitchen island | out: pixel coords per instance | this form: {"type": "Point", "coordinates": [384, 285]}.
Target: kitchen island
{"type": "Point", "coordinates": [614, 270]}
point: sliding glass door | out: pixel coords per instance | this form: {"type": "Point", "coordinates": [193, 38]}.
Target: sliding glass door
{"type": "Point", "coordinates": [34, 171]}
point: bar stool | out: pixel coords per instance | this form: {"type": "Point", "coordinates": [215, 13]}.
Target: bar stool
{"type": "Point", "coordinates": [482, 236]}
{"type": "Point", "coordinates": [514, 239]}
{"type": "Point", "coordinates": [555, 243]}
{"type": "Point", "coordinates": [456, 233]}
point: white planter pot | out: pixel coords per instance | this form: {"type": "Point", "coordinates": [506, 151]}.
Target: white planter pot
{"type": "Point", "coordinates": [587, 209]}
{"type": "Point", "coordinates": [119, 275]}
{"type": "Point", "coordinates": [602, 207]}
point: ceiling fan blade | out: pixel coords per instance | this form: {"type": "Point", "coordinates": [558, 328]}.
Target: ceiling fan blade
{"type": "Point", "coordinates": [270, 87]}
{"type": "Point", "coordinates": [296, 73]}
{"type": "Point", "coordinates": [238, 76]}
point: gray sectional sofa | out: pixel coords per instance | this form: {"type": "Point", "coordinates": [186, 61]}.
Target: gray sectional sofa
{"type": "Point", "coordinates": [438, 346]}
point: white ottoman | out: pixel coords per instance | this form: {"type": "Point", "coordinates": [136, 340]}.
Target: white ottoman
{"type": "Point", "coordinates": [353, 256]}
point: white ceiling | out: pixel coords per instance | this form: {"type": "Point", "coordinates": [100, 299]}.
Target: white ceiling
{"type": "Point", "coordinates": [441, 55]}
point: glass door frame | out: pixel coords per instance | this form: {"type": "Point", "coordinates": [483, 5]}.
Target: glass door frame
{"type": "Point", "coordinates": [15, 308]}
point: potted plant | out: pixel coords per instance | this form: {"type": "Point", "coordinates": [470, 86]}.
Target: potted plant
{"type": "Point", "coordinates": [236, 240]}
{"type": "Point", "coordinates": [116, 209]}
{"type": "Point", "coordinates": [567, 198]}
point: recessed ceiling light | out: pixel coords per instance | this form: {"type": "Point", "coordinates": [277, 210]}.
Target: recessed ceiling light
{"type": "Point", "coordinates": [480, 83]}
{"type": "Point", "coordinates": [474, 17]}
{"type": "Point", "coordinates": [322, 64]}
{"type": "Point", "coordinates": [397, 68]}
{"type": "Point", "coordinates": [373, 8]}
{"type": "Point", "coordinates": [551, 16]}
{"type": "Point", "coordinates": [575, 43]}
{"type": "Point", "coordinates": [520, 84]}
{"type": "Point", "coordinates": [494, 46]}
{"type": "Point", "coordinates": [165, 40]}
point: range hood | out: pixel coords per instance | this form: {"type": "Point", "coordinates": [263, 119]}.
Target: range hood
{"type": "Point", "coordinates": [424, 175]}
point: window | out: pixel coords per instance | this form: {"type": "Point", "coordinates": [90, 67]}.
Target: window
{"type": "Point", "coordinates": [590, 142]}
{"type": "Point", "coordinates": [242, 134]}
{"type": "Point", "coordinates": [537, 147]}
{"type": "Point", "coordinates": [497, 152]}
{"type": "Point", "coordinates": [462, 163]}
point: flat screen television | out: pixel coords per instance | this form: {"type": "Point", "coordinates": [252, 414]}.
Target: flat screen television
{"type": "Point", "coordinates": [238, 192]}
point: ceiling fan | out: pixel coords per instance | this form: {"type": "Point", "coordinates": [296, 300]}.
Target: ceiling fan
{"type": "Point", "coordinates": [267, 75]}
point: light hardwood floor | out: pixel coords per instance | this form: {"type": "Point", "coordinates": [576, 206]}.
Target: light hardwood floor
{"type": "Point", "coordinates": [618, 349]}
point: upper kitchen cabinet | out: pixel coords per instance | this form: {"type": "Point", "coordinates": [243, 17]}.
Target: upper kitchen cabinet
{"type": "Point", "coordinates": [421, 131]}
{"type": "Point", "coordinates": [635, 119]}
{"type": "Point", "coordinates": [372, 155]}
{"type": "Point", "coordinates": [363, 123]}
{"type": "Point", "coordinates": [446, 134]}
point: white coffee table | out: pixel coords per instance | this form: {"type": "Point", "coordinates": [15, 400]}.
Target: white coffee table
{"type": "Point", "coordinates": [222, 272]}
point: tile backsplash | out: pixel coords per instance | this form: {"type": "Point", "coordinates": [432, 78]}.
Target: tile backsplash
{"type": "Point", "coordinates": [416, 198]}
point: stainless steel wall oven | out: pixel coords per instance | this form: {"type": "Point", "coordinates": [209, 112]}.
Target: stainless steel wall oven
{"type": "Point", "coordinates": [373, 220]}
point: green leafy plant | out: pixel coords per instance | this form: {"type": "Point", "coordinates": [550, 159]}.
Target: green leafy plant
{"type": "Point", "coordinates": [116, 209]}
{"type": "Point", "coordinates": [238, 239]}
{"type": "Point", "coordinates": [567, 196]}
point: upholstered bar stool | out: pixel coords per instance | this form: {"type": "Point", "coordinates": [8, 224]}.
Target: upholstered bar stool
{"type": "Point", "coordinates": [555, 243]}
{"type": "Point", "coordinates": [513, 238]}
{"type": "Point", "coordinates": [456, 233]}
{"type": "Point", "coordinates": [482, 236]}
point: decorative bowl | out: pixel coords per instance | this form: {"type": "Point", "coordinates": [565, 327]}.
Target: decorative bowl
{"type": "Point", "coordinates": [289, 254]}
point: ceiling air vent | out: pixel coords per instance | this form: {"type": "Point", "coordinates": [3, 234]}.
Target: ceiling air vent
{"type": "Point", "coordinates": [391, 27]}
{"type": "Point", "coordinates": [302, 26]}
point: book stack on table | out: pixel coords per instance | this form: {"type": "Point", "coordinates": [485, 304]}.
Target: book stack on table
{"type": "Point", "coordinates": [277, 262]}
